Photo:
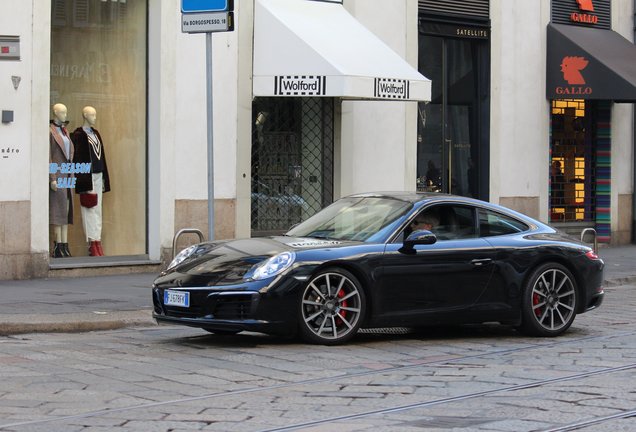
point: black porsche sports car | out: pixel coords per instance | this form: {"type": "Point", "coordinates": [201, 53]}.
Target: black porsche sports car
{"type": "Point", "coordinates": [365, 261]}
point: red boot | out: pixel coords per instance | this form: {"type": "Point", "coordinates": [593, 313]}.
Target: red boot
{"type": "Point", "coordinates": [92, 249]}
{"type": "Point", "coordinates": [100, 251]}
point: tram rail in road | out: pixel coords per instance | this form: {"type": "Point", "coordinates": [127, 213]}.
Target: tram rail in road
{"type": "Point", "coordinates": [541, 344]}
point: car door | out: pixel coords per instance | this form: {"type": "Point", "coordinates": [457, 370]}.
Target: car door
{"type": "Point", "coordinates": [445, 277]}
{"type": "Point", "coordinates": [505, 234]}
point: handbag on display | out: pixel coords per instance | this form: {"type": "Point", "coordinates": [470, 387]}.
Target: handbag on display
{"type": "Point", "coordinates": [88, 200]}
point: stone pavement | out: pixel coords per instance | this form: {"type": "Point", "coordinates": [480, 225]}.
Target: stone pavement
{"type": "Point", "coordinates": [109, 302]}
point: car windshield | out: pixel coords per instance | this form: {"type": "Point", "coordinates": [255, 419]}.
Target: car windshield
{"type": "Point", "coordinates": [353, 218]}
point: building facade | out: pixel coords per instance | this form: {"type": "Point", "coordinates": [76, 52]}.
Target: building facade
{"type": "Point", "coordinates": [313, 100]}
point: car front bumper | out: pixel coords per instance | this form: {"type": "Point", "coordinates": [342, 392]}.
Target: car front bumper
{"type": "Point", "coordinates": [229, 310]}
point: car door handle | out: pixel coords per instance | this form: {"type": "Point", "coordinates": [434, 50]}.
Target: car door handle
{"type": "Point", "coordinates": [481, 262]}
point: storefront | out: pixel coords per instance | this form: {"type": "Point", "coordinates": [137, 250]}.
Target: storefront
{"type": "Point", "coordinates": [313, 100]}
{"type": "Point", "coordinates": [454, 129]}
{"type": "Point", "coordinates": [589, 69]}
{"type": "Point", "coordinates": [302, 74]}
{"type": "Point", "coordinates": [317, 108]}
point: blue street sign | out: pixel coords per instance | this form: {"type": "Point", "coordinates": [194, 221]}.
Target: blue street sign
{"type": "Point", "coordinates": [189, 6]}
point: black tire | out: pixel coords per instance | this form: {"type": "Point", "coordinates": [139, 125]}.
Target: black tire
{"type": "Point", "coordinates": [331, 307]}
{"type": "Point", "coordinates": [549, 302]}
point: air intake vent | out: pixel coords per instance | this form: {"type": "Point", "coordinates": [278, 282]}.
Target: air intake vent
{"type": "Point", "coordinates": [469, 8]}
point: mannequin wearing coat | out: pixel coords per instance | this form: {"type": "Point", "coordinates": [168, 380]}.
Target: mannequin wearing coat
{"type": "Point", "coordinates": [61, 151]}
{"type": "Point", "coordinates": [89, 148]}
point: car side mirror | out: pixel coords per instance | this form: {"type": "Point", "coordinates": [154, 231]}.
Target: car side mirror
{"type": "Point", "coordinates": [419, 237]}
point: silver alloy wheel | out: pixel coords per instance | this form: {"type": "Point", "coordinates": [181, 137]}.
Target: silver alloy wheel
{"type": "Point", "coordinates": [553, 299]}
{"type": "Point", "coordinates": [331, 306]}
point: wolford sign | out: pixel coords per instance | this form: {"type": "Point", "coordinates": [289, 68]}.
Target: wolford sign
{"type": "Point", "coordinates": [316, 85]}
{"type": "Point", "coordinates": [391, 88]}
{"type": "Point", "coordinates": [300, 85]}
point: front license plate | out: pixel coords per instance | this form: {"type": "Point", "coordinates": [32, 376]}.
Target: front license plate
{"type": "Point", "coordinates": [176, 298]}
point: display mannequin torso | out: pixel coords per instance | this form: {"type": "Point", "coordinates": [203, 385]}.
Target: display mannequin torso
{"type": "Point", "coordinates": [61, 151]}
{"type": "Point", "coordinates": [90, 149]}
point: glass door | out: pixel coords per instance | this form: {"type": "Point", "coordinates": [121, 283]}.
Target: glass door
{"type": "Point", "coordinates": [452, 128]}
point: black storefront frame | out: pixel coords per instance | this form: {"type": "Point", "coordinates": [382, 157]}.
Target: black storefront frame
{"type": "Point", "coordinates": [477, 33]}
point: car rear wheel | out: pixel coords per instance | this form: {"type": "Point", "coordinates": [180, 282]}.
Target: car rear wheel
{"type": "Point", "coordinates": [332, 307]}
{"type": "Point", "coordinates": [549, 301]}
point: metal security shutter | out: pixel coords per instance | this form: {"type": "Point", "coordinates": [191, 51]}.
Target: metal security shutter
{"type": "Point", "coordinates": [476, 9]}
{"type": "Point", "coordinates": [292, 161]}
{"type": "Point", "coordinates": [563, 9]}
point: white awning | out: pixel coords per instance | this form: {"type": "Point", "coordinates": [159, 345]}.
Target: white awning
{"type": "Point", "coordinates": [316, 48]}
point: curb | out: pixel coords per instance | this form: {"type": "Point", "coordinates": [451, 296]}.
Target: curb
{"type": "Point", "coordinates": [75, 322]}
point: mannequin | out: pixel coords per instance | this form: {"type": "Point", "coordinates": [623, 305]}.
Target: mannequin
{"type": "Point", "coordinates": [61, 150]}
{"type": "Point", "coordinates": [90, 149]}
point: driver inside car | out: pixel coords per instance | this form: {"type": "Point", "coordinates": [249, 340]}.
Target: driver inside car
{"type": "Point", "coordinates": [426, 221]}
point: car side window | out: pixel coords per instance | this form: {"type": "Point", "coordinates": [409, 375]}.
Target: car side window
{"type": "Point", "coordinates": [456, 222]}
{"type": "Point", "coordinates": [494, 224]}
{"type": "Point", "coordinates": [446, 221]}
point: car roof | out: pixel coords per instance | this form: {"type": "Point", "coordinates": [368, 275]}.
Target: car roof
{"type": "Point", "coordinates": [421, 198]}
{"type": "Point", "coordinates": [414, 197]}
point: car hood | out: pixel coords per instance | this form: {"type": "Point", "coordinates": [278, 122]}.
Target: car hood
{"type": "Point", "coordinates": [227, 262]}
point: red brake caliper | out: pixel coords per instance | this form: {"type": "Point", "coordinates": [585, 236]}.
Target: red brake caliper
{"type": "Point", "coordinates": [535, 301]}
{"type": "Point", "coordinates": [342, 313]}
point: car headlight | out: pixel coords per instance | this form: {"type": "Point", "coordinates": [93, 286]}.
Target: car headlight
{"type": "Point", "coordinates": [273, 266]}
{"type": "Point", "coordinates": [181, 256]}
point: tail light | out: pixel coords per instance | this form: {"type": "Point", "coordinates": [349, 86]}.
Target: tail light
{"type": "Point", "coordinates": [592, 255]}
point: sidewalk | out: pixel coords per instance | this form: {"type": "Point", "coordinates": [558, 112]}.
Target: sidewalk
{"type": "Point", "coordinates": [110, 302]}
{"type": "Point", "coordinates": [76, 304]}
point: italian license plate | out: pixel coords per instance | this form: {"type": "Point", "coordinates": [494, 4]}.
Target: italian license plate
{"type": "Point", "coordinates": [176, 298]}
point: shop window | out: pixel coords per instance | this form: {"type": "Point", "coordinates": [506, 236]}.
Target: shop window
{"type": "Point", "coordinates": [572, 170]}
{"type": "Point", "coordinates": [98, 59]}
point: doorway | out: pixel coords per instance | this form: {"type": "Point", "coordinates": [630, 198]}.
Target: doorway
{"type": "Point", "coordinates": [292, 161]}
{"type": "Point", "coordinates": [453, 129]}
{"type": "Point", "coordinates": [580, 165]}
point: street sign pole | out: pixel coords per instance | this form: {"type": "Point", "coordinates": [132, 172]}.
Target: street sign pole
{"type": "Point", "coordinates": [210, 114]}
{"type": "Point", "coordinates": [208, 16]}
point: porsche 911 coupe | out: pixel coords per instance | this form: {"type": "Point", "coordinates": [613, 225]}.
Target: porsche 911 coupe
{"type": "Point", "coordinates": [374, 260]}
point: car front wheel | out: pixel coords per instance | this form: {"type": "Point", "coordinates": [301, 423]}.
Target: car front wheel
{"type": "Point", "coordinates": [549, 301]}
{"type": "Point", "coordinates": [332, 307]}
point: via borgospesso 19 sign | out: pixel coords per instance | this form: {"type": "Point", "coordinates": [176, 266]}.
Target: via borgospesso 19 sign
{"type": "Point", "coordinates": [320, 85]}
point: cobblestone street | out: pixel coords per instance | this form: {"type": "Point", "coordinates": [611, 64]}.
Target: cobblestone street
{"type": "Point", "coordinates": [485, 378]}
